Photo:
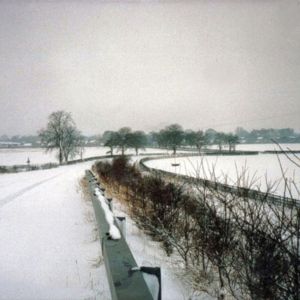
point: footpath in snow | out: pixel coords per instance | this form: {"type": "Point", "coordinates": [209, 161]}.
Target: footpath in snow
{"type": "Point", "coordinates": [48, 246]}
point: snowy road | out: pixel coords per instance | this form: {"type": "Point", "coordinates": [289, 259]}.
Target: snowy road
{"type": "Point", "coordinates": [47, 247]}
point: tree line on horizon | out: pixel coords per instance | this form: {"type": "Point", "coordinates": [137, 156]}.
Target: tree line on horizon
{"type": "Point", "coordinates": [283, 135]}
{"type": "Point", "coordinates": [61, 133]}
{"type": "Point", "coordinates": [171, 137]}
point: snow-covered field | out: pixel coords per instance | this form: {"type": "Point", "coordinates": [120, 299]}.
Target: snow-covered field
{"type": "Point", "coordinates": [260, 147]}
{"type": "Point", "coordinates": [19, 156]}
{"type": "Point", "coordinates": [267, 147]}
{"type": "Point", "coordinates": [48, 247]}
{"type": "Point", "coordinates": [259, 170]}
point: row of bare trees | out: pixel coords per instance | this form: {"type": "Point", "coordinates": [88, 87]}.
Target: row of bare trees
{"type": "Point", "coordinates": [123, 139]}
{"type": "Point", "coordinates": [250, 247]}
{"type": "Point", "coordinates": [171, 137]}
{"type": "Point", "coordinates": [62, 134]}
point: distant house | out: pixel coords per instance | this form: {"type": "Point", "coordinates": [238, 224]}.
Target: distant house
{"type": "Point", "coordinates": [7, 144]}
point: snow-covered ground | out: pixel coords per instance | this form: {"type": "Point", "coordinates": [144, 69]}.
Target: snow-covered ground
{"type": "Point", "coordinates": [257, 169]}
{"type": "Point", "coordinates": [19, 156]}
{"type": "Point", "coordinates": [261, 147]}
{"type": "Point", "coordinates": [48, 247]}
{"type": "Point", "coordinates": [266, 147]}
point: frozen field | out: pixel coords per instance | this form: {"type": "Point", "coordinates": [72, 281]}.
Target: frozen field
{"type": "Point", "coordinates": [19, 156]}
{"type": "Point", "coordinates": [257, 171]}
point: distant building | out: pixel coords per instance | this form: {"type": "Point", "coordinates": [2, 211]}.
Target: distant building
{"type": "Point", "coordinates": [7, 144]}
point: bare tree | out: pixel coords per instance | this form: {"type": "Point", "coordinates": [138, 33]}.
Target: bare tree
{"type": "Point", "coordinates": [61, 133]}
{"type": "Point", "coordinates": [110, 140]}
{"type": "Point", "coordinates": [220, 140]}
{"type": "Point", "coordinates": [172, 136]}
{"type": "Point", "coordinates": [232, 140]}
{"type": "Point", "coordinates": [123, 138]}
{"type": "Point", "coordinates": [196, 138]}
{"type": "Point", "coordinates": [137, 140]}
{"type": "Point", "coordinates": [73, 143]}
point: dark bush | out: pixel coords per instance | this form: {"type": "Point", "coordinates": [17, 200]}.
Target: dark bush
{"type": "Point", "coordinates": [3, 169]}
{"type": "Point", "coordinates": [103, 169]}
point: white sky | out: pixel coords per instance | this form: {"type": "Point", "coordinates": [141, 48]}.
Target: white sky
{"type": "Point", "coordinates": [147, 64]}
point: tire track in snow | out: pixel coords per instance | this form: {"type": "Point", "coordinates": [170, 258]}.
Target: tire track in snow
{"type": "Point", "coordinates": [12, 197]}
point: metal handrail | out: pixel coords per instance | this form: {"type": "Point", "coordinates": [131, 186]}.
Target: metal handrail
{"type": "Point", "coordinates": [124, 276]}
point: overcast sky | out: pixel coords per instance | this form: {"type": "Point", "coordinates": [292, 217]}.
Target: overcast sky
{"type": "Point", "coordinates": [147, 64]}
